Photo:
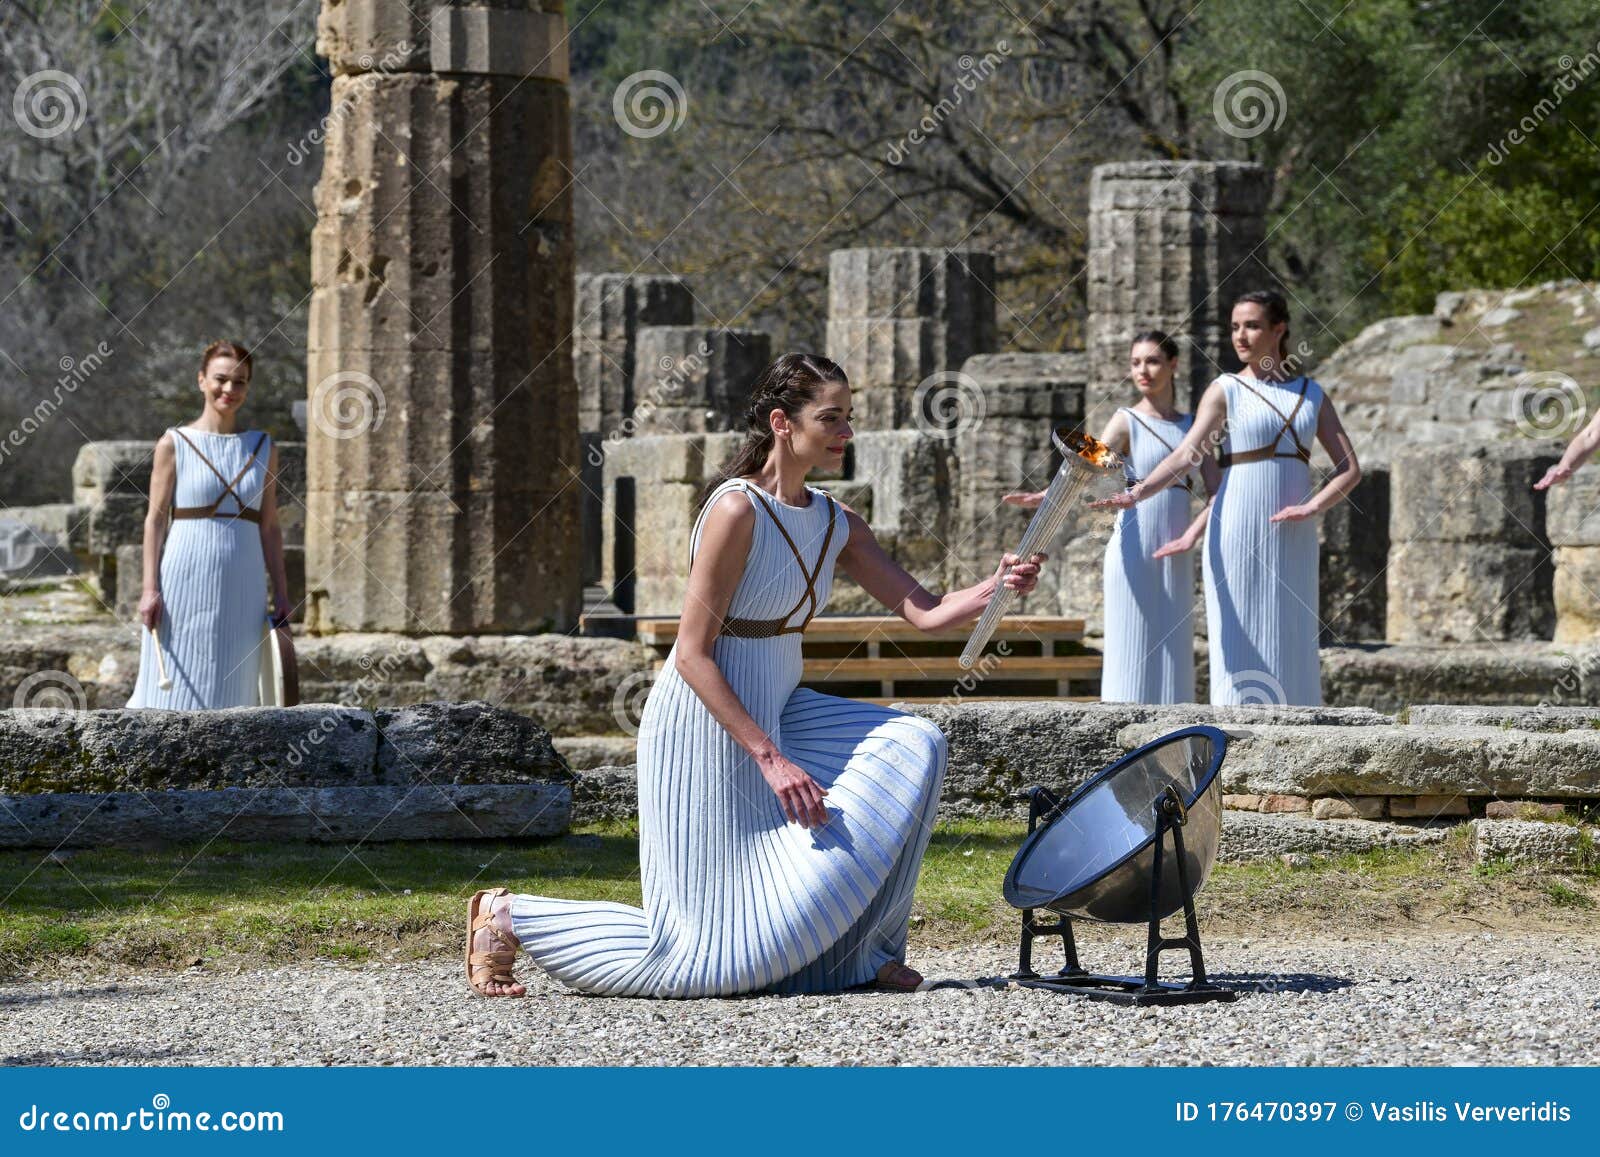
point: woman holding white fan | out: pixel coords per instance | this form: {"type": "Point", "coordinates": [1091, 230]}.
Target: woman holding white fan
{"type": "Point", "coordinates": [211, 536]}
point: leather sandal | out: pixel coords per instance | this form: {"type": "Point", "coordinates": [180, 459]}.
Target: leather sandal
{"type": "Point", "coordinates": [497, 963]}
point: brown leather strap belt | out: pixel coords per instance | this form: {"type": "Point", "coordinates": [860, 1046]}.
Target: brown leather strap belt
{"type": "Point", "coordinates": [249, 514]}
{"type": "Point", "coordinates": [1262, 454]}
{"type": "Point", "coordinates": [758, 628]}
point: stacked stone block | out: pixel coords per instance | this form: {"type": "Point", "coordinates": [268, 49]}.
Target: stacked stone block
{"type": "Point", "coordinates": [1469, 558]}
{"type": "Point", "coordinates": [611, 310]}
{"type": "Point", "coordinates": [1573, 519]}
{"type": "Point", "coordinates": [897, 317]}
{"type": "Point", "coordinates": [1352, 588]}
{"type": "Point", "coordinates": [1171, 244]}
{"type": "Point", "coordinates": [442, 425]}
{"type": "Point", "coordinates": [1006, 447]}
{"type": "Point", "coordinates": [691, 380]}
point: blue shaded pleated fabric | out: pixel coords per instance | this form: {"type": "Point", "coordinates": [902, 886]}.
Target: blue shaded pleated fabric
{"type": "Point", "coordinates": [213, 584]}
{"type": "Point", "coordinates": [1262, 620]}
{"type": "Point", "coordinates": [1149, 615]}
{"type": "Point", "coordinates": [736, 898]}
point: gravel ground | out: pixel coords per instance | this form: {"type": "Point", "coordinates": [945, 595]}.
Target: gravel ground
{"type": "Point", "coordinates": [1429, 999]}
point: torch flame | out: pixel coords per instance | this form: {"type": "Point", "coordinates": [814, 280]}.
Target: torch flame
{"type": "Point", "coordinates": [1090, 448]}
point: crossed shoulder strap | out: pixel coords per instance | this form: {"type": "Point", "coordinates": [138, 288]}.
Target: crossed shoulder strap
{"type": "Point", "coordinates": [1187, 482]}
{"type": "Point", "coordinates": [767, 628]}
{"type": "Point", "coordinates": [227, 487]}
{"type": "Point", "coordinates": [810, 573]}
{"type": "Point", "coordinates": [1270, 450]}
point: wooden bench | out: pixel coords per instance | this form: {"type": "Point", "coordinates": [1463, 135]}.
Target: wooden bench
{"type": "Point", "coordinates": [1029, 655]}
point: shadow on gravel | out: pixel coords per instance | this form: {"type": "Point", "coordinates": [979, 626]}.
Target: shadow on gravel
{"type": "Point", "coordinates": [43, 1059]}
{"type": "Point", "coordinates": [1243, 982]}
{"type": "Point", "coordinates": [1253, 982]}
{"type": "Point", "coordinates": [87, 992]}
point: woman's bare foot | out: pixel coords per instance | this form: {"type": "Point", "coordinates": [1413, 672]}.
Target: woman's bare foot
{"type": "Point", "coordinates": [899, 977]}
{"type": "Point", "coordinates": [493, 946]}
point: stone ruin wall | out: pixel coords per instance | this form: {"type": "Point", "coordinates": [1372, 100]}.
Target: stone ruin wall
{"type": "Point", "coordinates": [1444, 541]}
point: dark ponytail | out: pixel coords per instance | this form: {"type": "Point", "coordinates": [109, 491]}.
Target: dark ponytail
{"type": "Point", "coordinates": [787, 385]}
{"type": "Point", "coordinates": [1277, 310]}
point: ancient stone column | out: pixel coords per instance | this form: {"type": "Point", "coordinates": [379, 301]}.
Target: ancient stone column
{"type": "Point", "coordinates": [612, 309]}
{"type": "Point", "coordinates": [1171, 244]}
{"type": "Point", "coordinates": [442, 432]}
{"type": "Point", "coordinates": [1469, 557]}
{"type": "Point", "coordinates": [897, 317]}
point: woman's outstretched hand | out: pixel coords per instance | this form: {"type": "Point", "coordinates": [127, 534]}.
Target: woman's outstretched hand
{"type": "Point", "coordinates": [150, 609]}
{"type": "Point", "coordinates": [1024, 576]}
{"type": "Point", "coordinates": [1554, 476]}
{"type": "Point", "coordinates": [800, 795]}
{"type": "Point", "coordinates": [1028, 500]}
{"type": "Point", "coordinates": [1122, 500]}
{"type": "Point", "coordinates": [1294, 514]}
{"type": "Point", "coordinates": [1184, 542]}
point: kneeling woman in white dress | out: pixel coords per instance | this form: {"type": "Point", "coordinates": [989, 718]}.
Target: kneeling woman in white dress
{"type": "Point", "coordinates": [1262, 619]}
{"type": "Point", "coordinates": [780, 829]}
{"type": "Point", "coordinates": [1148, 574]}
{"type": "Point", "coordinates": [211, 538]}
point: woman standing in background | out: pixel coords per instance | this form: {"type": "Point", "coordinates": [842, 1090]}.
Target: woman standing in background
{"type": "Point", "coordinates": [1262, 620]}
{"type": "Point", "coordinates": [210, 538]}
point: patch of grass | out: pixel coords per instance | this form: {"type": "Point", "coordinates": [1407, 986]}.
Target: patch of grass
{"type": "Point", "coordinates": [1563, 896]}
{"type": "Point", "coordinates": [267, 903]}
{"type": "Point", "coordinates": [255, 904]}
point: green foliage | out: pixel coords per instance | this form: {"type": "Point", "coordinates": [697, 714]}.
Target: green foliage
{"type": "Point", "coordinates": [1386, 190]}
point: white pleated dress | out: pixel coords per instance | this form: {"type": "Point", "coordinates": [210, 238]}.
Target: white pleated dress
{"type": "Point", "coordinates": [736, 898]}
{"type": "Point", "coordinates": [213, 581]}
{"type": "Point", "coordinates": [1262, 621]}
{"type": "Point", "coordinates": [1149, 602]}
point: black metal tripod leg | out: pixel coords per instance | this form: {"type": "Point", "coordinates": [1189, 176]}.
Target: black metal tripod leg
{"type": "Point", "coordinates": [1191, 925]}
{"type": "Point", "coordinates": [1152, 952]}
